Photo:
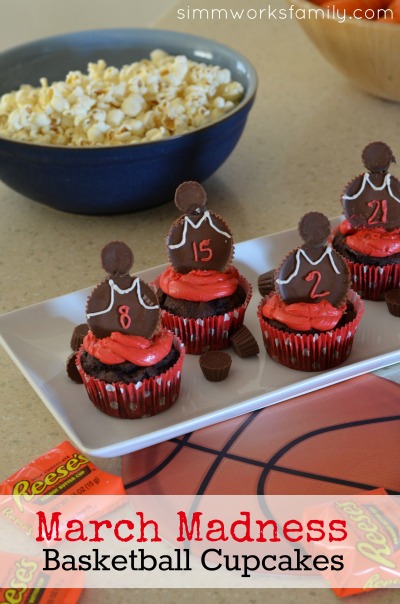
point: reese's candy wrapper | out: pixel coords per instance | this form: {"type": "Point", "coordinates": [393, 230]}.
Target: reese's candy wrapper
{"type": "Point", "coordinates": [62, 471]}
{"type": "Point", "coordinates": [370, 553]}
{"type": "Point", "coordinates": [27, 584]}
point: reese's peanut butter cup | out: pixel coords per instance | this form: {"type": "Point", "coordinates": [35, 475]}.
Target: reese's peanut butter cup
{"type": "Point", "coordinates": [392, 298]}
{"type": "Point", "coordinates": [244, 343]}
{"type": "Point", "coordinates": [72, 370]}
{"type": "Point", "coordinates": [117, 258]}
{"type": "Point", "coordinates": [215, 365]}
{"type": "Point", "coordinates": [80, 331]}
{"type": "Point", "coordinates": [266, 282]}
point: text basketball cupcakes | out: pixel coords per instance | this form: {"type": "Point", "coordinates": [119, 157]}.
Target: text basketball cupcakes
{"type": "Point", "coordinates": [369, 237]}
{"type": "Point", "coordinates": [309, 322]}
{"type": "Point", "coordinates": [202, 295]}
{"type": "Point", "coordinates": [130, 366]}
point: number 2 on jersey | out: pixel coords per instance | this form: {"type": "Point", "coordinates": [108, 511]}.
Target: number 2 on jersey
{"type": "Point", "coordinates": [310, 277]}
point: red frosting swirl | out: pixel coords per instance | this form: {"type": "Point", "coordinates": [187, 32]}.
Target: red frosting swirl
{"type": "Point", "coordinates": [346, 228]}
{"type": "Point", "coordinates": [374, 242]}
{"type": "Point", "coordinates": [303, 316]}
{"type": "Point", "coordinates": [371, 242]}
{"type": "Point", "coordinates": [118, 348]}
{"type": "Point", "coordinates": [199, 285]}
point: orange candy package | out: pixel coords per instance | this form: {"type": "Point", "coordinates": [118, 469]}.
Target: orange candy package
{"type": "Point", "coordinates": [371, 551]}
{"type": "Point", "coordinates": [20, 571]}
{"type": "Point", "coordinates": [62, 471]}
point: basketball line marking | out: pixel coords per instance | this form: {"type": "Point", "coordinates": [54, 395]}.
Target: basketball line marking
{"type": "Point", "coordinates": [266, 466]}
{"type": "Point", "coordinates": [183, 442]}
{"type": "Point", "coordinates": [213, 468]}
{"type": "Point", "coordinates": [322, 478]}
{"type": "Point", "coordinates": [284, 469]}
{"type": "Point", "coordinates": [272, 462]}
{"type": "Point", "coordinates": [162, 465]}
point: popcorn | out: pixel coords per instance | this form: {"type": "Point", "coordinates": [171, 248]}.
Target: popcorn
{"type": "Point", "coordinates": [145, 101]}
{"type": "Point", "coordinates": [133, 105]}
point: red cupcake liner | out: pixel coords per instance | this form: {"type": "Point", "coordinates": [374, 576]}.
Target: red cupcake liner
{"type": "Point", "coordinates": [308, 352]}
{"type": "Point", "coordinates": [371, 282]}
{"type": "Point", "coordinates": [134, 401]}
{"type": "Point", "coordinates": [209, 333]}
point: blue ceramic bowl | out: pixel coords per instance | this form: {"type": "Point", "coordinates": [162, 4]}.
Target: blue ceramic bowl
{"type": "Point", "coordinates": [110, 180]}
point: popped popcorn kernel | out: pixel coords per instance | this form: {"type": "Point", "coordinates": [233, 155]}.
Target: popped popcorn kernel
{"type": "Point", "coordinates": [148, 100]}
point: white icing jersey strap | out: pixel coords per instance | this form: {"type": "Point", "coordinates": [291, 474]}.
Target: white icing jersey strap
{"type": "Point", "coordinates": [206, 216]}
{"type": "Point", "coordinates": [300, 252]}
{"type": "Point", "coordinates": [366, 179]}
{"type": "Point", "coordinates": [114, 287]}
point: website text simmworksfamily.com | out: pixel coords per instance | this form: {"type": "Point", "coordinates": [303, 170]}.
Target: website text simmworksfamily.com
{"type": "Point", "coordinates": [268, 13]}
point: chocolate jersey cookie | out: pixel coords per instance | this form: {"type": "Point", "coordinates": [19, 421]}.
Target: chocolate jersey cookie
{"type": "Point", "coordinates": [199, 239]}
{"type": "Point", "coordinates": [315, 271]}
{"type": "Point", "coordinates": [372, 199]}
{"type": "Point", "coordinates": [122, 303]}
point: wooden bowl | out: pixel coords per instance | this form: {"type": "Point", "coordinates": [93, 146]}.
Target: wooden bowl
{"type": "Point", "coordinates": [367, 52]}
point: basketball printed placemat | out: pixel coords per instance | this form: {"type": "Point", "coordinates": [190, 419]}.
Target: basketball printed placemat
{"type": "Point", "coordinates": [340, 440]}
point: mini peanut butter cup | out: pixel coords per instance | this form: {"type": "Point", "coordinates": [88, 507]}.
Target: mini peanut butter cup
{"type": "Point", "coordinates": [117, 258]}
{"type": "Point", "coordinates": [377, 157]}
{"type": "Point", "coordinates": [215, 365]}
{"type": "Point", "coordinates": [80, 331]}
{"type": "Point", "coordinates": [392, 298]}
{"type": "Point", "coordinates": [244, 343]}
{"type": "Point", "coordinates": [266, 282]}
{"type": "Point", "coordinates": [72, 370]}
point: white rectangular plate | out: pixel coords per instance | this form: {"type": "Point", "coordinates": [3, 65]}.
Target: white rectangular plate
{"type": "Point", "coordinates": [37, 339]}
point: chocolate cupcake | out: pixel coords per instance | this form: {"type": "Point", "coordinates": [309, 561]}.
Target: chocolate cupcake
{"type": "Point", "coordinates": [309, 322]}
{"type": "Point", "coordinates": [202, 295]}
{"type": "Point", "coordinates": [130, 366]}
{"type": "Point", "coordinates": [369, 237]}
